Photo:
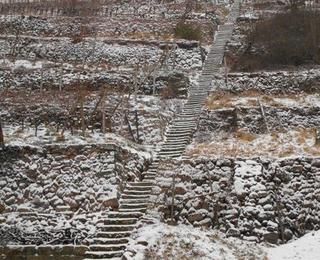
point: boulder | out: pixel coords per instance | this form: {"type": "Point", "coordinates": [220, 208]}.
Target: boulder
{"type": "Point", "coordinates": [233, 232]}
{"type": "Point", "coordinates": [316, 163]}
{"type": "Point", "coordinates": [112, 203]}
{"type": "Point", "coordinates": [195, 217]}
{"type": "Point", "coordinates": [287, 234]}
{"type": "Point", "coordinates": [180, 190]}
{"type": "Point", "coordinates": [271, 237]}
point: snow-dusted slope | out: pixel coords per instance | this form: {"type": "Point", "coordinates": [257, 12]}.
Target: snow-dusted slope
{"type": "Point", "coordinates": [304, 248]}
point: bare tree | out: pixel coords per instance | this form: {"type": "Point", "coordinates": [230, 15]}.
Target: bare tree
{"type": "Point", "coordinates": [1, 135]}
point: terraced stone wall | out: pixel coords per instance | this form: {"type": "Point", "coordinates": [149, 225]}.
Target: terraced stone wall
{"type": "Point", "coordinates": [67, 252]}
{"type": "Point", "coordinates": [251, 118]}
{"type": "Point", "coordinates": [256, 199]}
{"type": "Point", "coordinates": [61, 191]}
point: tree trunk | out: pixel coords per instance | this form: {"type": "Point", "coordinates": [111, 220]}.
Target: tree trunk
{"type": "Point", "coordinates": [103, 113]}
{"type": "Point", "coordinates": [137, 126]}
{"type": "Point", "coordinates": [129, 126]}
{"type": "Point", "coordinates": [173, 197]}
{"type": "Point", "coordinates": [1, 136]}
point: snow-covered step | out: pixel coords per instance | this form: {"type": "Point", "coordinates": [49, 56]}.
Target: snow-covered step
{"type": "Point", "coordinates": [125, 196]}
{"type": "Point", "coordinates": [133, 206]}
{"type": "Point", "coordinates": [138, 184]}
{"type": "Point", "coordinates": [115, 214]}
{"type": "Point", "coordinates": [143, 209]}
{"type": "Point", "coordinates": [103, 254]}
{"type": "Point", "coordinates": [173, 149]}
{"type": "Point", "coordinates": [133, 201]}
{"type": "Point", "coordinates": [181, 125]}
{"type": "Point", "coordinates": [178, 130]}
{"type": "Point", "coordinates": [114, 234]}
{"type": "Point", "coordinates": [139, 188]}
{"type": "Point", "coordinates": [107, 247]}
{"type": "Point", "coordinates": [174, 145]}
{"type": "Point", "coordinates": [178, 144]}
{"type": "Point", "coordinates": [135, 192]}
{"type": "Point", "coordinates": [128, 227]}
{"type": "Point", "coordinates": [179, 134]}
{"type": "Point", "coordinates": [178, 139]}
{"type": "Point", "coordinates": [171, 152]}
{"type": "Point", "coordinates": [120, 221]}
{"type": "Point", "coordinates": [109, 241]}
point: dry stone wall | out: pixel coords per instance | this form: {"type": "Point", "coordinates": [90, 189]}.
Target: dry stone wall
{"type": "Point", "coordinates": [278, 82]}
{"type": "Point", "coordinates": [58, 194]}
{"type": "Point", "coordinates": [254, 199]}
{"type": "Point", "coordinates": [250, 118]}
{"type": "Point", "coordinates": [69, 252]}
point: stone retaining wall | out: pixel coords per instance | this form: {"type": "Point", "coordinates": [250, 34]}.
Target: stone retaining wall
{"type": "Point", "coordinates": [31, 252]}
{"type": "Point", "coordinates": [278, 82]}
{"type": "Point", "coordinates": [254, 199]}
{"type": "Point", "coordinates": [250, 118]}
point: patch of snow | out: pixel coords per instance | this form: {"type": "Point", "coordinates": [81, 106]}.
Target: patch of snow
{"type": "Point", "coordinates": [304, 248]}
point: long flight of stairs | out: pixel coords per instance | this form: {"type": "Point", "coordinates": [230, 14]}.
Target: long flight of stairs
{"type": "Point", "coordinates": [117, 227]}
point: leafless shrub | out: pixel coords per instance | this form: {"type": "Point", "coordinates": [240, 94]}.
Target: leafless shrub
{"type": "Point", "coordinates": [290, 38]}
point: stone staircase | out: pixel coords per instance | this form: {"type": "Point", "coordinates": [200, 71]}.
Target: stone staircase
{"type": "Point", "coordinates": [112, 239]}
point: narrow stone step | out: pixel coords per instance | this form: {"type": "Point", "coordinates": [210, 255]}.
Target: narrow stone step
{"type": "Point", "coordinates": [137, 206]}
{"type": "Point", "coordinates": [135, 192]}
{"type": "Point", "coordinates": [116, 228]}
{"type": "Point", "coordinates": [109, 241]}
{"type": "Point", "coordinates": [102, 254]}
{"type": "Point", "coordinates": [124, 196]}
{"type": "Point", "coordinates": [138, 188]}
{"type": "Point", "coordinates": [173, 145]}
{"type": "Point", "coordinates": [173, 149]}
{"type": "Point", "coordinates": [133, 201]}
{"type": "Point", "coordinates": [108, 247]}
{"type": "Point", "coordinates": [118, 234]}
{"type": "Point", "coordinates": [180, 132]}
{"type": "Point", "coordinates": [170, 156]}
{"type": "Point", "coordinates": [181, 138]}
{"type": "Point", "coordinates": [189, 125]}
{"type": "Point", "coordinates": [183, 126]}
{"type": "Point", "coordinates": [138, 184]}
{"type": "Point", "coordinates": [180, 129]}
{"type": "Point", "coordinates": [133, 210]}
{"type": "Point", "coordinates": [120, 221]}
{"type": "Point", "coordinates": [116, 214]}
{"type": "Point", "coordinates": [152, 171]}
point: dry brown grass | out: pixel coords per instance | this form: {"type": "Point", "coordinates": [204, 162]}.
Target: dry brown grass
{"type": "Point", "coordinates": [219, 100]}
{"type": "Point", "coordinates": [245, 136]}
{"type": "Point", "coordinates": [298, 141]}
{"type": "Point", "coordinates": [223, 99]}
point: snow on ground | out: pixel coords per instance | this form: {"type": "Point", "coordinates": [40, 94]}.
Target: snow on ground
{"type": "Point", "coordinates": [15, 137]}
{"type": "Point", "coordinates": [296, 142]}
{"type": "Point", "coordinates": [304, 248]}
{"type": "Point", "coordinates": [23, 64]}
{"type": "Point", "coordinates": [250, 99]}
{"type": "Point", "coordinates": [163, 241]}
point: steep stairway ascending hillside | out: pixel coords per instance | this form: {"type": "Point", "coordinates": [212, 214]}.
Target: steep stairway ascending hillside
{"type": "Point", "coordinates": [117, 227]}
